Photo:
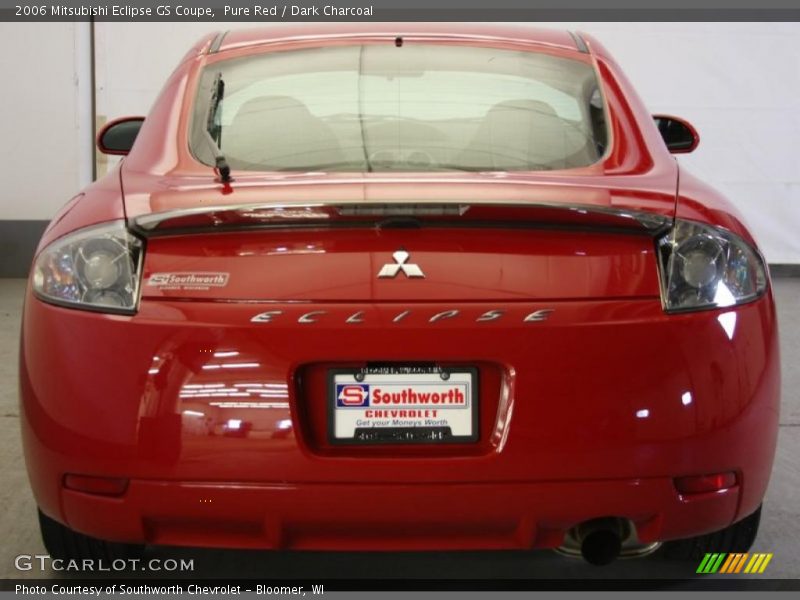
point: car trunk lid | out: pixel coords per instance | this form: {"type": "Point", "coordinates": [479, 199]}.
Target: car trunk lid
{"type": "Point", "coordinates": [451, 239]}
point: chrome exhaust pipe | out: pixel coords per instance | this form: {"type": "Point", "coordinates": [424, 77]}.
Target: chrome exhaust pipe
{"type": "Point", "coordinates": [573, 544]}
{"type": "Point", "coordinates": [601, 540]}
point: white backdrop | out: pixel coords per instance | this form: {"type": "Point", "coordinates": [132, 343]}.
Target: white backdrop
{"type": "Point", "coordinates": [45, 96]}
{"type": "Point", "coordinates": [739, 83]}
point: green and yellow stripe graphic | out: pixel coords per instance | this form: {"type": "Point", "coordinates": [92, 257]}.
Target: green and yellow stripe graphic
{"type": "Point", "coordinates": [734, 563]}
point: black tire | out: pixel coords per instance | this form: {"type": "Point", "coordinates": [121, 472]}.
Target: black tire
{"type": "Point", "coordinates": [738, 537]}
{"type": "Point", "coordinates": [64, 543]}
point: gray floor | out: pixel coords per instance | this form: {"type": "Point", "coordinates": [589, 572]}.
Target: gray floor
{"type": "Point", "coordinates": [780, 529]}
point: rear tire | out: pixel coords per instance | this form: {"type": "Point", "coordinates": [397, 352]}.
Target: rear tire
{"type": "Point", "coordinates": [738, 537]}
{"type": "Point", "coordinates": [64, 543]}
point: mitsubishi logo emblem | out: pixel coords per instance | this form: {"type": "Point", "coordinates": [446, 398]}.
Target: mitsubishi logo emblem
{"type": "Point", "coordinates": [400, 257]}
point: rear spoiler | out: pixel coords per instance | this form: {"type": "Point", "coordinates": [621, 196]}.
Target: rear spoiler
{"type": "Point", "coordinates": [342, 214]}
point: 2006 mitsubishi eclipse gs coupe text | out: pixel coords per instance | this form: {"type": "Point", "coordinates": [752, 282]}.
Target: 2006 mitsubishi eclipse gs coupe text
{"type": "Point", "coordinates": [433, 288]}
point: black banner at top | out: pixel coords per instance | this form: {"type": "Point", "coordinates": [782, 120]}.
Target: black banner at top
{"type": "Point", "coordinates": [261, 11]}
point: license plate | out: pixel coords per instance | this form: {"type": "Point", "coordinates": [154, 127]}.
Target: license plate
{"type": "Point", "coordinates": [403, 405]}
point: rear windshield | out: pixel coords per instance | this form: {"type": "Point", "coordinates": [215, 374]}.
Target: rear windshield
{"type": "Point", "coordinates": [378, 108]}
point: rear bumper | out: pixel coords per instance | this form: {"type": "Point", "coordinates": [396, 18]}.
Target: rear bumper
{"type": "Point", "coordinates": [390, 517]}
{"type": "Point", "coordinates": [591, 413]}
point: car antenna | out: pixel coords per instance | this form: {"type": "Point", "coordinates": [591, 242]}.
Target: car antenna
{"type": "Point", "coordinates": [213, 131]}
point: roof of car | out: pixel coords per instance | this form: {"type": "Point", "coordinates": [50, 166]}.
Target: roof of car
{"type": "Point", "coordinates": [263, 35]}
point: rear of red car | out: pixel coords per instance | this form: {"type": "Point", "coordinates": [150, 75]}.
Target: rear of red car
{"type": "Point", "coordinates": [399, 360]}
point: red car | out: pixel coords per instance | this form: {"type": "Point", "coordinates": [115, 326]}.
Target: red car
{"type": "Point", "coordinates": [399, 287]}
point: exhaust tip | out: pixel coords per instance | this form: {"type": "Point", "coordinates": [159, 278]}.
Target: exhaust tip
{"type": "Point", "coordinates": [601, 547]}
{"type": "Point", "coordinates": [594, 541]}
